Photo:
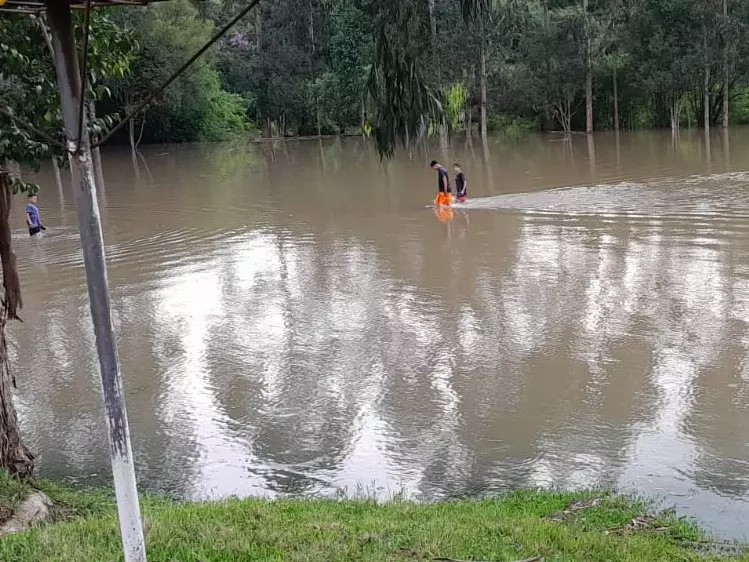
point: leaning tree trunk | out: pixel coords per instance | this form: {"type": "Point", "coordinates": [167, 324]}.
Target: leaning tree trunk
{"type": "Point", "coordinates": [15, 457]}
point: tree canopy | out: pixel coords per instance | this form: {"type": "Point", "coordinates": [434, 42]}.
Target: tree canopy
{"type": "Point", "coordinates": [400, 69]}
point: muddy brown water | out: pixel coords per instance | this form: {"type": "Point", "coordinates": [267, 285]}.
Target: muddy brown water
{"type": "Point", "coordinates": [294, 319]}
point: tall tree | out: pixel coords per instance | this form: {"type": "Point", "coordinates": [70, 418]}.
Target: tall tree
{"type": "Point", "coordinates": [661, 38]}
{"type": "Point", "coordinates": [726, 72]}
{"type": "Point", "coordinates": [588, 69]}
{"type": "Point", "coordinates": [27, 93]}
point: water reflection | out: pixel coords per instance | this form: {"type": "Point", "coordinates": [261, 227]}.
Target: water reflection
{"type": "Point", "coordinates": [293, 319]}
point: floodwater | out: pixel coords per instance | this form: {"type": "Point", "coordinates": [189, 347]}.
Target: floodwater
{"type": "Point", "coordinates": [294, 319]}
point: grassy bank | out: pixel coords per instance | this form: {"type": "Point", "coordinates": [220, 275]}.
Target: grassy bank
{"type": "Point", "coordinates": [520, 526]}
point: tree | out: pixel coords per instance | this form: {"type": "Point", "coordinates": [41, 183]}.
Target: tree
{"type": "Point", "coordinates": [194, 107]}
{"type": "Point", "coordinates": [29, 94]}
{"type": "Point", "coordinates": [25, 93]}
{"type": "Point", "coordinates": [661, 37]}
{"type": "Point", "coordinates": [587, 27]}
{"type": "Point", "coordinates": [406, 103]}
{"type": "Point", "coordinates": [553, 50]}
{"type": "Point", "coordinates": [350, 55]}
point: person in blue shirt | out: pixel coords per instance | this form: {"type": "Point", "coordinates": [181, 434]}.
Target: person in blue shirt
{"type": "Point", "coordinates": [33, 221]}
{"type": "Point", "coordinates": [461, 183]}
{"type": "Point", "coordinates": [444, 196]}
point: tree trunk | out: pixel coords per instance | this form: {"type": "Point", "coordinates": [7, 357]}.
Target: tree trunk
{"type": "Point", "coordinates": [133, 155]}
{"type": "Point", "coordinates": [319, 127]}
{"type": "Point", "coordinates": [469, 121]}
{"type": "Point", "coordinates": [95, 152]}
{"type": "Point", "coordinates": [15, 457]}
{"type": "Point", "coordinates": [674, 110]}
{"type": "Point", "coordinates": [363, 120]}
{"type": "Point", "coordinates": [483, 80]}
{"type": "Point", "coordinates": [588, 73]}
{"type": "Point", "coordinates": [706, 82]}
{"type": "Point", "coordinates": [436, 64]}
{"type": "Point", "coordinates": [258, 27]}
{"type": "Point", "coordinates": [469, 109]}
{"type": "Point", "coordinates": [311, 29]}
{"type": "Point", "coordinates": [563, 112]}
{"type": "Point", "coordinates": [726, 71]}
{"type": "Point", "coordinates": [58, 177]}
{"type": "Point", "coordinates": [616, 103]}
{"type": "Point", "coordinates": [433, 37]}
{"type": "Point", "coordinates": [726, 149]}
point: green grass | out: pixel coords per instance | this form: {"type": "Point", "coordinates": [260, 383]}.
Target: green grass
{"type": "Point", "coordinates": [514, 527]}
{"type": "Point", "coordinates": [12, 492]}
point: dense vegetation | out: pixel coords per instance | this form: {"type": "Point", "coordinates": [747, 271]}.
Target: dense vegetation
{"type": "Point", "coordinates": [324, 67]}
{"type": "Point", "coordinates": [303, 68]}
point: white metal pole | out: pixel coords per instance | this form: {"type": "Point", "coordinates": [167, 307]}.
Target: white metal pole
{"type": "Point", "coordinates": [92, 243]}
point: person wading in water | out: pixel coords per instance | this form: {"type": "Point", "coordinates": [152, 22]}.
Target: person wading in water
{"type": "Point", "coordinates": [461, 184]}
{"type": "Point", "coordinates": [33, 221]}
{"type": "Point", "coordinates": [444, 196]}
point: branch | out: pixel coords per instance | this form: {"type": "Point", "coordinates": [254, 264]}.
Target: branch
{"type": "Point", "coordinates": [29, 127]}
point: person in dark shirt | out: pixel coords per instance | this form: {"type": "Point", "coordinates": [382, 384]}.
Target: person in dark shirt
{"type": "Point", "coordinates": [33, 221]}
{"type": "Point", "coordinates": [444, 196]}
{"type": "Point", "coordinates": [461, 183]}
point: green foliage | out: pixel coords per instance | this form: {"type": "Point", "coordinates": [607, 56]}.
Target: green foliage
{"type": "Point", "coordinates": [740, 107]}
{"type": "Point", "coordinates": [28, 91]}
{"type": "Point", "coordinates": [406, 105]}
{"type": "Point", "coordinates": [350, 57]}
{"type": "Point", "coordinates": [513, 127]}
{"type": "Point", "coordinates": [194, 107]}
{"type": "Point", "coordinates": [28, 87]}
{"type": "Point", "coordinates": [226, 118]}
{"type": "Point", "coordinates": [299, 67]}
{"type": "Point", "coordinates": [456, 97]}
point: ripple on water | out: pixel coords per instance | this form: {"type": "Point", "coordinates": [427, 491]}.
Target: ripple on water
{"type": "Point", "coordinates": [712, 198]}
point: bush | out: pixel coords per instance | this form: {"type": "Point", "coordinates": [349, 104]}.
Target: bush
{"type": "Point", "coordinates": [512, 126]}
{"type": "Point", "coordinates": [226, 118]}
{"type": "Point", "coordinates": [739, 110]}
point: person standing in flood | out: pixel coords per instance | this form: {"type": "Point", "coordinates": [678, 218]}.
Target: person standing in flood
{"type": "Point", "coordinates": [461, 184]}
{"type": "Point", "coordinates": [444, 196]}
{"type": "Point", "coordinates": [33, 220]}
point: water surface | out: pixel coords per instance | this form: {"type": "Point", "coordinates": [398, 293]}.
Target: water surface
{"type": "Point", "coordinates": [294, 319]}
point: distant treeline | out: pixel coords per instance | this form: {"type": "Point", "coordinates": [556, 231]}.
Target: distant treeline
{"type": "Point", "coordinates": [301, 67]}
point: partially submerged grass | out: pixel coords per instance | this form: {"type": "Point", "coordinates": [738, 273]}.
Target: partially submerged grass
{"type": "Point", "coordinates": [12, 492]}
{"type": "Point", "coordinates": [522, 525]}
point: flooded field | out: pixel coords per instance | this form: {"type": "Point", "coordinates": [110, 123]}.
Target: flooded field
{"type": "Point", "coordinates": [294, 319]}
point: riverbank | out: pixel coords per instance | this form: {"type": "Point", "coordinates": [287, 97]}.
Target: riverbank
{"type": "Point", "coordinates": [520, 526]}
